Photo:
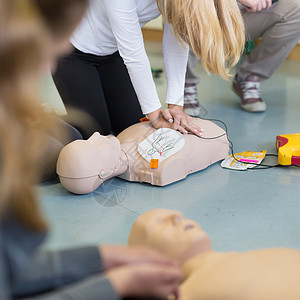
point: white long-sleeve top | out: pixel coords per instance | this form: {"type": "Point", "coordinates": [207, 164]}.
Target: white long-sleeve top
{"type": "Point", "coordinates": [115, 25]}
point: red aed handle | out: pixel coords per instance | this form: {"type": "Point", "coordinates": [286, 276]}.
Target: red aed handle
{"type": "Point", "coordinates": [296, 160]}
{"type": "Point", "coordinates": [281, 141]}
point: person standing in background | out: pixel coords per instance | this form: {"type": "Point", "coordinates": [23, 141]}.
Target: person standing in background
{"type": "Point", "coordinates": [278, 26]}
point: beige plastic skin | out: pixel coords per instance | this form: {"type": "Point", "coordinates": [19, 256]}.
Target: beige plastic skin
{"type": "Point", "coordinates": [84, 164]}
{"type": "Point", "coordinates": [81, 162]}
{"type": "Point", "coordinates": [267, 274]}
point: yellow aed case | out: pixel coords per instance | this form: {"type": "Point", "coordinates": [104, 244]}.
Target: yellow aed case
{"type": "Point", "coordinates": [288, 147]}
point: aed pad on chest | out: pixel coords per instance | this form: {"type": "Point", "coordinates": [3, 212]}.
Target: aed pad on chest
{"type": "Point", "coordinates": [161, 144]}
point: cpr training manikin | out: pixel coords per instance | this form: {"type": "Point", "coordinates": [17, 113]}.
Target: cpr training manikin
{"type": "Point", "coordinates": [140, 153]}
{"type": "Point", "coordinates": [266, 274]}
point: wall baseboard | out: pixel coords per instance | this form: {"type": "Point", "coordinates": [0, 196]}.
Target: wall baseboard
{"type": "Point", "coordinates": [152, 35]}
{"type": "Point", "coordinates": [295, 53]}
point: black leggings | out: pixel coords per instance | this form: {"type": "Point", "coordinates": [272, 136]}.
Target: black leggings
{"type": "Point", "coordinates": [47, 163]}
{"type": "Point", "coordinates": [99, 86]}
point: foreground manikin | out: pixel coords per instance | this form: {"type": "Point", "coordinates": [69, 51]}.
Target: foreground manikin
{"type": "Point", "coordinates": [84, 164]}
{"type": "Point", "coordinates": [269, 274]}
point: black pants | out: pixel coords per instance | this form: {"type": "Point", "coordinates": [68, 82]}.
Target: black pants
{"type": "Point", "coordinates": [47, 163]}
{"type": "Point", "coordinates": [99, 86]}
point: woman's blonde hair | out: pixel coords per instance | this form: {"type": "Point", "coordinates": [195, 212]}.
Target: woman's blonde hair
{"type": "Point", "coordinates": [213, 29]}
{"type": "Point", "coordinates": [24, 41]}
{"type": "Point", "coordinates": [22, 53]}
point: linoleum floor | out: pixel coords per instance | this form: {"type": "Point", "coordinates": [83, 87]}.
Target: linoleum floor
{"type": "Point", "coordinates": [241, 210]}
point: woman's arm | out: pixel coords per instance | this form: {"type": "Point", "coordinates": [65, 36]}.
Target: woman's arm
{"type": "Point", "coordinates": [141, 272]}
{"type": "Point", "coordinates": [4, 283]}
{"type": "Point", "coordinates": [95, 287]}
{"type": "Point", "coordinates": [140, 280]}
{"type": "Point", "coordinates": [53, 269]}
{"type": "Point", "coordinates": [175, 62]}
{"type": "Point", "coordinates": [124, 22]}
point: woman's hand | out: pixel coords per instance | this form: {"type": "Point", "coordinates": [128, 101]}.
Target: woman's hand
{"type": "Point", "coordinates": [158, 121]}
{"type": "Point", "coordinates": [174, 117]}
{"type": "Point", "coordinates": [180, 120]}
{"type": "Point", "coordinates": [116, 256]}
{"type": "Point", "coordinates": [256, 5]}
{"type": "Point", "coordinates": [145, 280]}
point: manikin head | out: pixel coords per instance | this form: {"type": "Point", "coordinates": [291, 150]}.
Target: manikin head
{"type": "Point", "coordinates": [84, 164]}
{"type": "Point", "coordinates": [170, 233]}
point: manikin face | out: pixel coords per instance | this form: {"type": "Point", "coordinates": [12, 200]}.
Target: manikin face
{"type": "Point", "coordinates": [97, 140]}
{"type": "Point", "coordinates": [170, 233]}
{"type": "Point", "coordinates": [102, 152]}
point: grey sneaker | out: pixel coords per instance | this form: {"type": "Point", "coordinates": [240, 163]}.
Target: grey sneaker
{"type": "Point", "coordinates": [249, 92]}
{"type": "Point", "coordinates": [191, 104]}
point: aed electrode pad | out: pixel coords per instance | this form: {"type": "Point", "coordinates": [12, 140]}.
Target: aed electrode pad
{"type": "Point", "coordinates": [161, 144]}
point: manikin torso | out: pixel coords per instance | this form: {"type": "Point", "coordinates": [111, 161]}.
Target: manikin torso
{"type": "Point", "coordinates": [197, 154]}
{"type": "Point", "coordinates": [268, 274]}
{"type": "Point", "coordinates": [83, 165]}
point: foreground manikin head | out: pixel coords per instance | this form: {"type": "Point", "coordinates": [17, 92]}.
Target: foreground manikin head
{"type": "Point", "coordinates": [170, 233]}
{"type": "Point", "coordinates": [266, 274]}
{"type": "Point", "coordinates": [84, 164]}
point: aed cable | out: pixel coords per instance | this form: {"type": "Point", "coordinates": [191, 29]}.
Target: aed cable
{"type": "Point", "coordinates": [257, 166]}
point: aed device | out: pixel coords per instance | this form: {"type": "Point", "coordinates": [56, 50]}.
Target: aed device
{"type": "Point", "coordinates": [288, 147]}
